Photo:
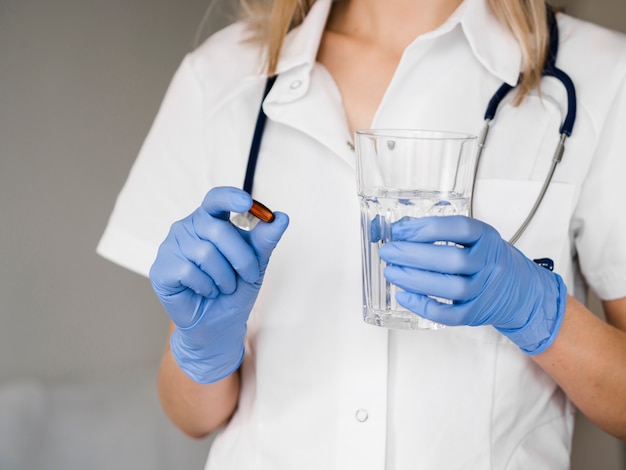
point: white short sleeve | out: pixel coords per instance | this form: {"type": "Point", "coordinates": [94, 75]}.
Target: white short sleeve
{"type": "Point", "coordinates": [167, 181]}
{"type": "Point", "coordinates": [600, 218]}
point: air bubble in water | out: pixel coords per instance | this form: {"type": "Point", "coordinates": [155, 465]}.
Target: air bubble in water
{"type": "Point", "coordinates": [443, 208]}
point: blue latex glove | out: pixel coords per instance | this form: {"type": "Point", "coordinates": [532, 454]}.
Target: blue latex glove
{"type": "Point", "coordinates": [207, 275]}
{"type": "Point", "coordinates": [489, 281]}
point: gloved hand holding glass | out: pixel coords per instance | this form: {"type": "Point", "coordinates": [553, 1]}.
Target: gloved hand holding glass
{"type": "Point", "coordinates": [421, 271]}
{"type": "Point", "coordinates": [207, 275]}
{"type": "Point", "coordinates": [489, 281]}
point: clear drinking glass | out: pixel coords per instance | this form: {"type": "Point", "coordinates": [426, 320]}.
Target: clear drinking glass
{"type": "Point", "coordinates": [406, 173]}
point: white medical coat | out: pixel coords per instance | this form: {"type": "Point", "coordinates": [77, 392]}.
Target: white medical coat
{"type": "Point", "coordinates": [321, 389]}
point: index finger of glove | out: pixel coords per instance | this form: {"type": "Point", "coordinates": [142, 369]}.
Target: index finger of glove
{"type": "Point", "coordinates": [453, 228]}
{"type": "Point", "coordinates": [429, 256]}
{"type": "Point", "coordinates": [222, 200]}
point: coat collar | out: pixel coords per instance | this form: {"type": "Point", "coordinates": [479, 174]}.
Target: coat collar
{"type": "Point", "coordinates": [491, 42]}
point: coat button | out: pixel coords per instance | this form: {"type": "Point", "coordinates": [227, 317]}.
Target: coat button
{"type": "Point", "coordinates": [295, 84]}
{"type": "Point", "coordinates": [361, 415]}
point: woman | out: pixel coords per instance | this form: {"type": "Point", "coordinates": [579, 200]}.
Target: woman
{"type": "Point", "coordinates": [291, 370]}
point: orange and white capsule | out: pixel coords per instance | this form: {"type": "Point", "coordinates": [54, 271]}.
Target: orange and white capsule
{"type": "Point", "coordinates": [261, 212]}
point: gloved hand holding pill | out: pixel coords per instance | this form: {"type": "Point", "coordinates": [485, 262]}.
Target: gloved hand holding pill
{"type": "Point", "coordinates": [207, 275]}
{"type": "Point", "coordinates": [490, 281]}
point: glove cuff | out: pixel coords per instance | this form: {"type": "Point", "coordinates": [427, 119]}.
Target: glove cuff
{"type": "Point", "coordinates": [204, 370]}
{"type": "Point", "coordinates": [541, 330]}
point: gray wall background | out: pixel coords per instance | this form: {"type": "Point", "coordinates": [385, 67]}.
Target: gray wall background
{"type": "Point", "coordinates": [80, 83]}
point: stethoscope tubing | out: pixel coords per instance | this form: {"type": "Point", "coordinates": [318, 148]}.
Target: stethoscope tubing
{"type": "Point", "coordinates": [550, 70]}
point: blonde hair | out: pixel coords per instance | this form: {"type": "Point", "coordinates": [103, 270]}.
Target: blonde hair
{"type": "Point", "coordinates": [271, 20]}
{"type": "Point", "coordinates": [528, 21]}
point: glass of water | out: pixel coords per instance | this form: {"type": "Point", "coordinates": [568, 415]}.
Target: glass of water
{"type": "Point", "coordinates": [406, 173]}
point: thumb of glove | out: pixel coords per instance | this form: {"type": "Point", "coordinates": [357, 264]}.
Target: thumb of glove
{"type": "Point", "coordinates": [264, 238]}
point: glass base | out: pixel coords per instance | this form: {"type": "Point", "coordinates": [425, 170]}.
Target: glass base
{"type": "Point", "coordinates": [398, 320]}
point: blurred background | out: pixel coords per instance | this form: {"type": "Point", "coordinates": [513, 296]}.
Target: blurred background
{"type": "Point", "coordinates": [80, 338]}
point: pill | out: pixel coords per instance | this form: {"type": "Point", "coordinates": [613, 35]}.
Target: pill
{"type": "Point", "coordinates": [261, 212]}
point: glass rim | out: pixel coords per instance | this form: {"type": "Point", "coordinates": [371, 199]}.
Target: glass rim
{"type": "Point", "coordinates": [423, 134]}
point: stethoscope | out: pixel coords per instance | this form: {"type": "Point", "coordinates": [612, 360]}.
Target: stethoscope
{"type": "Point", "coordinates": [550, 70]}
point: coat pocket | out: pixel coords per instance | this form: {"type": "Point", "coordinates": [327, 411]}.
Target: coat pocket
{"type": "Point", "coordinates": [505, 204]}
